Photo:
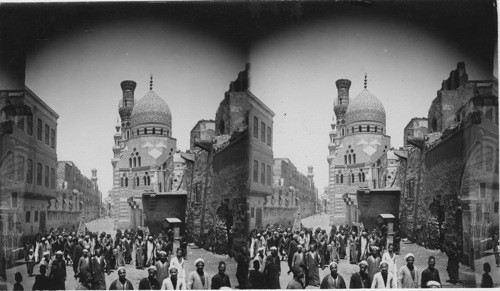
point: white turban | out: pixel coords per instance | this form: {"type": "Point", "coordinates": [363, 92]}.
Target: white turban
{"type": "Point", "coordinates": [333, 264]}
{"type": "Point", "coordinates": [46, 253]}
{"type": "Point", "coordinates": [409, 255]}
{"type": "Point", "coordinates": [262, 249]}
{"type": "Point", "coordinates": [59, 253]}
{"type": "Point", "coordinates": [121, 268]}
{"type": "Point", "coordinates": [153, 268]}
{"type": "Point", "coordinates": [383, 262]}
{"type": "Point", "coordinates": [198, 260]}
{"type": "Point", "coordinates": [363, 263]}
{"type": "Point", "coordinates": [172, 267]}
{"type": "Point", "coordinates": [274, 248]}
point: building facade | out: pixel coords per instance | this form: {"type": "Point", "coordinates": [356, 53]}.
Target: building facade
{"type": "Point", "coordinates": [146, 162]}
{"type": "Point", "coordinates": [232, 172]}
{"type": "Point", "coordinates": [77, 196]}
{"type": "Point", "coordinates": [357, 140]}
{"type": "Point", "coordinates": [450, 187]}
{"type": "Point", "coordinates": [293, 193]}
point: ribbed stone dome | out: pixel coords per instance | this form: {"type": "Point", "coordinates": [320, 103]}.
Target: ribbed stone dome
{"type": "Point", "coordinates": [365, 108]}
{"type": "Point", "coordinates": [151, 109]}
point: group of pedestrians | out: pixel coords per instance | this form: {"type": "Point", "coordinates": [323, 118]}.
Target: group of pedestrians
{"type": "Point", "coordinates": [94, 256]}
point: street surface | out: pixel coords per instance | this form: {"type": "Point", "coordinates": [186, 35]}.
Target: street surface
{"type": "Point", "coordinates": [211, 262]}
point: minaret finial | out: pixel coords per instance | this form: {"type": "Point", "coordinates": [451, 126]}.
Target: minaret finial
{"type": "Point", "coordinates": [366, 79]}
{"type": "Point", "coordinates": [151, 83]}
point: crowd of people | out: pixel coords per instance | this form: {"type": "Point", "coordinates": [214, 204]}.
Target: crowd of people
{"type": "Point", "coordinates": [93, 256]}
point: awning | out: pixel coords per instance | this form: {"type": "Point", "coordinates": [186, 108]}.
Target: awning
{"type": "Point", "coordinates": [173, 220]}
{"type": "Point", "coordinates": [386, 216]}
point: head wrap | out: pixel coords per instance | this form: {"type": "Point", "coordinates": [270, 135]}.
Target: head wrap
{"type": "Point", "coordinates": [299, 246]}
{"type": "Point", "coordinates": [85, 250]}
{"type": "Point", "coordinates": [363, 263]}
{"type": "Point", "coordinates": [375, 248]}
{"type": "Point", "coordinates": [333, 264]}
{"type": "Point", "coordinates": [172, 267]}
{"type": "Point", "coordinates": [198, 260]}
{"type": "Point", "coordinates": [409, 255]}
{"type": "Point", "coordinates": [59, 253]}
{"type": "Point", "coordinates": [274, 248]}
{"type": "Point", "coordinates": [433, 284]}
{"type": "Point", "coordinates": [262, 249]}
{"type": "Point", "coordinates": [383, 262]}
{"type": "Point", "coordinates": [153, 268]}
{"type": "Point", "coordinates": [121, 268]}
{"type": "Point", "coordinates": [163, 253]}
{"type": "Point", "coordinates": [46, 253]}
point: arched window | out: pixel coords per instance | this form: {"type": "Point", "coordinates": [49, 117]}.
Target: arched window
{"type": "Point", "coordinates": [128, 134]}
{"type": "Point", "coordinates": [135, 162]}
{"type": "Point", "coordinates": [354, 158]}
{"type": "Point", "coordinates": [154, 130]}
{"type": "Point", "coordinates": [137, 132]}
{"type": "Point", "coordinates": [130, 162]}
{"type": "Point", "coordinates": [342, 131]}
{"type": "Point", "coordinates": [145, 181]}
{"type": "Point", "coordinates": [359, 128]}
{"type": "Point", "coordinates": [434, 124]}
{"type": "Point", "coordinates": [350, 159]}
{"type": "Point", "coordinates": [363, 176]}
{"type": "Point", "coordinates": [376, 127]}
{"type": "Point", "coordinates": [145, 131]}
{"type": "Point", "coordinates": [139, 160]}
{"type": "Point", "coordinates": [149, 180]}
{"type": "Point", "coordinates": [341, 178]}
{"type": "Point", "coordinates": [126, 182]}
{"type": "Point", "coordinates": [137, 179]}
{"type": "Point", "coordinates": [345, 159]}
{"type": "Point", "coordinates": [161, 131]}
{"type": "Point", "coordinates": [121, 182]}
{"type": "Point", "coordinates": [352, 177]}
{"type": "Point", "coordinates": [337, 178]}
{"type": "Point", "coordinates": [368, 128]}
{"type": "Point", "coordinates": [359, 177]}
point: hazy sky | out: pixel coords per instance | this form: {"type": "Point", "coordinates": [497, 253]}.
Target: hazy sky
{"type": "Point", "coordinates": [77, 59]}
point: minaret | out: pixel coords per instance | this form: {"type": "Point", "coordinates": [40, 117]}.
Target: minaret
{"type": "Point", "coordinates": [116, 146]}
{"type": "Point", "coordinates": [126, 106]}
{"type": "Point", "coordinates": [310, 174]}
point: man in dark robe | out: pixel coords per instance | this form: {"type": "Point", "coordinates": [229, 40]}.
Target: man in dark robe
{"type": "Point", "coordinates": [97, 269]}
{"type": "Point", "coordinates": [292, 249]}
{"type": "Point", "coordinates": [58, 272]}
{"type": "Point", "coordinates": [453, 262]}
{"type": "Point", "coordinates": [150, 283]}
{"type": "Point", "coordinates": [272, 271]}
{"type": "Point", "coordinates": [42, 282]}
{"type": "Point", "coordinates": [242, 258]}
{"type": "Point", "coordinates": [77, 254]}
{"type": "Point", "coordinates": [360, 280]}
{"type": "Point", "coordinates": [256, 279]}
{"type": "Point", "coordinates": [430, 274]}
{"type": "Point", "coordinates": [221, 279]}
{"type": "Point", "coordinates": [333, 280]}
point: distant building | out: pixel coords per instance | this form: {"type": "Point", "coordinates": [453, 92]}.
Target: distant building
{"type": "Point", "coordinates": [357, 141]}
{"type": "Point", "coordinates": [416, 128]}
{"type": "Point", "coordinates": [293, 193]}
{"type": "Point", "coordinates": [450, 186]}
{"type": "Point", "coordinates": [77, 196]}
{"type": "Point", "coordinates": [227, 199]}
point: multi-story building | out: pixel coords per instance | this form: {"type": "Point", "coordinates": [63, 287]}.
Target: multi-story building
{"type": "Point", "coordinates": [227, 200]}
{"type": "Point", "coordinates": [450, 186]}
{"type": "Point", "coordinates": [77, 196]}
{"type": "Point", "coordinates": [145, 163]}
{"type": "Point", "coordinates": [357, 140]}
{"type": "Point", "coordinates": [28, 163]}
{"type": "Point", "coordinates": [294, 193]}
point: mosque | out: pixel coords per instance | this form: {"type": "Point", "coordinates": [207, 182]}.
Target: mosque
{"type": "Point", "coordinates": [358, 140]}
{"type": "Point", "coordinates": [145, 158]}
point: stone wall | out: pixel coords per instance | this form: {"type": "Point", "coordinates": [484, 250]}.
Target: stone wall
{"type": "Point", "coordinates": [162, 206]}
{"type": "Point", "coordinates": [371, 203]}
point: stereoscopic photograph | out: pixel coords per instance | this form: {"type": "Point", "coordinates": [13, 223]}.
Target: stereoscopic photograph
{"type": "Point", "coordinates": [182, 145]}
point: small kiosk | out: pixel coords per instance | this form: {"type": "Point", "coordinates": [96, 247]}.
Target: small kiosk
{"type": "Point", "coordinates": [174, 224]}
{"type": "Point", "coordinates": [387, 220]}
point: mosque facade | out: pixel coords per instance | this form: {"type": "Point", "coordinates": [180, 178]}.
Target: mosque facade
{"type": "Point", "coordinates": [358, 139]}
{"type": "Point", "coordinates": [145, 156]}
